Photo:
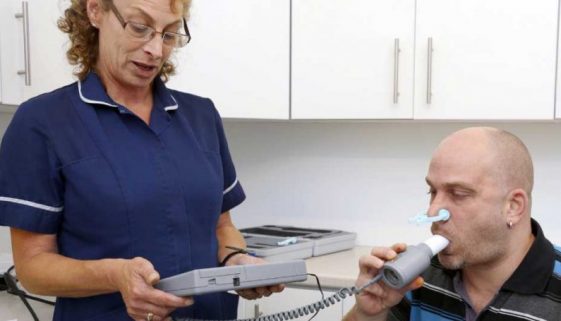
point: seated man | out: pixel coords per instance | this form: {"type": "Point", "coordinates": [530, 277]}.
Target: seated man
{"type": "Point", "coordinates": [498, 265]}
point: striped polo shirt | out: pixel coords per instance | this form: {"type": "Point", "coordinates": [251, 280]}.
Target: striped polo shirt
{"type": "Point", "coordinates": [532, 293]}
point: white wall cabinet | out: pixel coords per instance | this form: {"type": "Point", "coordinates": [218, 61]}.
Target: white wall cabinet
{"type": "Point", "coordinates": [290, 299]}
{"type": "Point", "coordinates": [49, 67]}
{"type": "Point", "coordinates": [11, 52]}
{"type": "Point", "coordinates": [46, 59]}
{"type": "Point", "coordinates": [558, 89]}
{"type": "Point", "coordinates": [557, 103]}
{"type": "Point", "coordinates": [490, 59]}
{"type": "Point", "coordinates": [238, 57]}
{"type": "Point", "coordinates": [345, 59]}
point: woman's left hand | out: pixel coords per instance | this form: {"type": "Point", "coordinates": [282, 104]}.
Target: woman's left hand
{"type": "Point", "coordinates": [255, 293]}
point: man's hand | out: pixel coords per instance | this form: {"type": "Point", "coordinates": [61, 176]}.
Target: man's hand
{"type": "Point", "coordinates": [135, 281]}
{"type": "Point", "coordinates": [255, 293]}
{"type": "Point", "coordinates": [374, 301]}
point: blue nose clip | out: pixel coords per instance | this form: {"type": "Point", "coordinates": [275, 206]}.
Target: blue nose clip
{"type": "Point", "coordinates": [443, 215]}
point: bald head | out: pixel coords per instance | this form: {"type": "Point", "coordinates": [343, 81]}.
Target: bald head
{"type": "Point", "coordinates": [504, 155]}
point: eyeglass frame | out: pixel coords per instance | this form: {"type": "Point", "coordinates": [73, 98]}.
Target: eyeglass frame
{"type": "Point", "coordinates": [124, 23]}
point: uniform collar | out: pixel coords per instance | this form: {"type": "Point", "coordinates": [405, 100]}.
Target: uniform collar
{"type": "Point", "coordinates": [91, 91]}
{"type": "Point", "coordinates": [532, 275]}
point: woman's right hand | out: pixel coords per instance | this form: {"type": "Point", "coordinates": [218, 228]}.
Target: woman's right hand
{"type": "Point", "coordinates": [135, 280]}
{"type": "Point", "coordinates": [374, 301]}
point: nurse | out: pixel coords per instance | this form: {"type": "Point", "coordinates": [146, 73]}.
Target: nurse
{"type": "Point", "coordinates": [115, 181]}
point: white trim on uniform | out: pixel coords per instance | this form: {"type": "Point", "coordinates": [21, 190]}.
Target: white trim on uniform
{"type": "Point", "coordinates": [513, 313]}
{"type": "Point", "coordinates": [172, 107]}
{"type": "Point", "coordinates": [231, 187]}
{"type": "Point", "coordinates": [91, 101]}
{"type": "Point", "coordinates": [32, 204]}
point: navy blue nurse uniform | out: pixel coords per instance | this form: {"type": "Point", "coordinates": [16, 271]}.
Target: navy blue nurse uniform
{"type": "Point", "coordinates": [75, 163]}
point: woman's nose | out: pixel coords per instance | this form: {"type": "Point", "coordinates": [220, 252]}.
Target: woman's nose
{"type": "Point", "coordinates": [155, 46]}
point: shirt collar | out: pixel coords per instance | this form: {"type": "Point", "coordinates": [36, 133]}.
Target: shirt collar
{"type": "Point", "coordinates": [91, 91]}
{"type": "Point", "coordinates": [532, 275]}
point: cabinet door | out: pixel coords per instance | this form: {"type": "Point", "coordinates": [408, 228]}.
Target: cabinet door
{"type": "Point", "coordinates": [48, 45]}
{"type": "Point", "coordinates": [45, 62]}
{"type": "Point", "coordinates": [238, 57]}
{"type": "Point", "coordinates": [288, 300]}
{"type": "Point", "coordinates": [344, 62]}
{"type": "Point", "coordinates": [558, 89]}
{"type": "Point", "coordinates": [11, 52]}
{"type": "Point", "coordinates": [490, 59]}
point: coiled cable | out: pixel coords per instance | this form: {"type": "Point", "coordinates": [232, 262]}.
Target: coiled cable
{"type": "Point", "coordinates": [307, 309]}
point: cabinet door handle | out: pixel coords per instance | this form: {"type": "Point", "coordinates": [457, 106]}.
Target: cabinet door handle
{"type": "Point", "coordinates": [27, 64]}
{"type": "Point", "coordinates": [256, 312]}
{"type": "Point", "coordinates": [429, 71]}
{"type": "Point", "coordinates": [396, 52]}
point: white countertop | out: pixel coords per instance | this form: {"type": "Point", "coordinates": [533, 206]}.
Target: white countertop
{"type": "Point", "coordinates": [336, 270]}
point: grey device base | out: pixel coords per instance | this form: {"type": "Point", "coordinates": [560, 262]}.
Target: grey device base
{"type": "Point", "coordinates": [263, 241]}
{"type": "Point", "coordinates": [267, 248]}
{"type": "Point", "coordinates": [235, 277]}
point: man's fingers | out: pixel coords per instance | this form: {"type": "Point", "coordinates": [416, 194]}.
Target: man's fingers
{"type": "Point", "coordinates": [369, 263]}
{"type": "Point", "coordinates": [399, 247]}
{"type": "Point", "coordinates": [415, 284]}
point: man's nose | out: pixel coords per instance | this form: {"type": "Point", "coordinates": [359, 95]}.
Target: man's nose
{"type": "Point", "coordinates": [435, 206]}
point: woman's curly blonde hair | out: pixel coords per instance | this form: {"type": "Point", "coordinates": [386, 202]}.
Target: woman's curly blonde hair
{"type": "Point", "coordinates": [84, 42]}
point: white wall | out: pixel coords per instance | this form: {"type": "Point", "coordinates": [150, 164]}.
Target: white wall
{"type": "Point", "coordinates": [366, 177]}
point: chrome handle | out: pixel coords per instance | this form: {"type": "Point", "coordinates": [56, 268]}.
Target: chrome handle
{"type": "Point", "coordinates": [256, 312]}
{"type": "Point", "coordinates": [27, 61]}
{"type": "Point", "coordinates": [429, 71]}
{"type": "Point", "coordinates": [396, 52]}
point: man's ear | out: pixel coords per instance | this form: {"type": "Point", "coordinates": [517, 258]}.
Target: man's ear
{"type": "Point", "coordinates": [516, 206]}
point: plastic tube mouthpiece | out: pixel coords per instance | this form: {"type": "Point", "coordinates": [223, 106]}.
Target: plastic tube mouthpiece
{"type": "Point", "coordinates": [443, 215]}
{"type": "Point", "coordinates": [411, 263]}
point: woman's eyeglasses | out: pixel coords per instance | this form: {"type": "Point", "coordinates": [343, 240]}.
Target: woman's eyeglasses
{"type": "Point", "coordinates": [146, 33]}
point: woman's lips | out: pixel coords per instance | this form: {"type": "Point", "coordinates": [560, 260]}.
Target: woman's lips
{"type": "Point", "coordinates": [146, 68]}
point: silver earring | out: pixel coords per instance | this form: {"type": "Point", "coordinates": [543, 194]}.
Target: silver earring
{"type": "Point", "coordinates": [509, 224]}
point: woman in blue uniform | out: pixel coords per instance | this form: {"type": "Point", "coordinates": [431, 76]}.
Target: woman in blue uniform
{"type": "Point", "coordinates": [115, 181]}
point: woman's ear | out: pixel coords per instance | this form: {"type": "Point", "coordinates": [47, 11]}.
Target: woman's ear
{"type": "Point", "coordinates": [516, 206]}
{"type": "Point", "coordinates": [94, 9]}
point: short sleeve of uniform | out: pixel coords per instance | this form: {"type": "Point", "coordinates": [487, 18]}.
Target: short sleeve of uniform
{"type": "Point", "coordinates": [30, 187]}
{"type": "Point", "coordinates": [233, 193]}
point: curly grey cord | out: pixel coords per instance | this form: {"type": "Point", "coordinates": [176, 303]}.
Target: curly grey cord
{"type": "Point", "coordinates": [307, 309]}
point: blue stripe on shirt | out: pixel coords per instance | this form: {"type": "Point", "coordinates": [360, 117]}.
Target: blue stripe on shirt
{"type": "Point", "coordinates": [557, 266]}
